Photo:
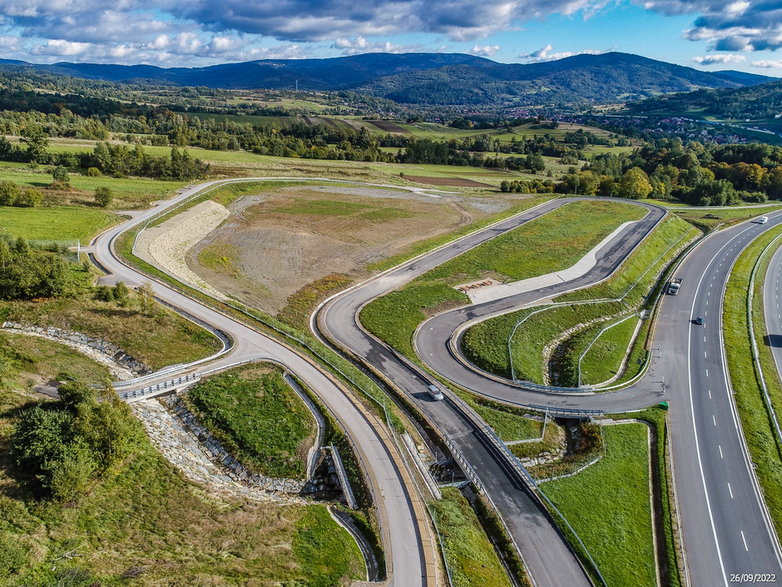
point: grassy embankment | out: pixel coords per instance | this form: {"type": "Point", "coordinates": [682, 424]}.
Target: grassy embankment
{"type": "Point", "coordinates": [608, 505]}
{"type": "Point", "coordinates": [765, 452]}
{"type": "Point", "coordinates": [471, 556]}
{"type": "Point", "coordinates": [538, 247]}
{"type": "Point", "coordinates": [258, 418]}
{"type": "Point", "coordinates": [709, 219]}
{"type": "Point", "coordinates": [142, 522]}
{"type": "Point", "coordinates": [486, 343]}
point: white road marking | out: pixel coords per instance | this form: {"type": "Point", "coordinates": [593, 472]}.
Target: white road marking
{"type": "Point", "coordinates": [730, 491]}
{"type": "Point", "coordinates": [704, 354]}
{"type": "Point", "coordinates": [707, 372]}
{"type": "Point", "coordinates": [709, 394]}
{"type": "Point", "coordinates": [714, 419]}
{"type": "Point", "coordinates": [744, 540]}
{"type": "Point", "coordinates": [719, 446]}
{"type": "Point", "coordinates": [704, 339]}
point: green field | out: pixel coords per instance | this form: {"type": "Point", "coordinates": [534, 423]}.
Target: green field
{"type": "Point", "coordinates": [609, 507]}
{"type": "Point", "coordinates": [538, 247]}
{"type": "Point", "coordinates": [470, 555]}
{"type": "Point", "coordinates": [755, 420]}
{"type": "Point", "coordinates": [129, 192]}
{"type": "Point", "coordinates": [486, 343]}
{"type": "Point", "coordinates": [258, 418]}
{"type": "Point", "coordinates": [57, 224]}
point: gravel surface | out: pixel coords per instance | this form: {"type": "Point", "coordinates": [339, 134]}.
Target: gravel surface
{"type": "Point", "coordinates": [166, 244]}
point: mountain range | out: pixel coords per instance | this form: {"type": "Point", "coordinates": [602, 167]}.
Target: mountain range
{"type": "Point", "coordinates": [436, 78]}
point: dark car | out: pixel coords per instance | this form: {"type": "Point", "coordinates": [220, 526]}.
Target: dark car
{"type": "Point", "coordinates": [699, 321]}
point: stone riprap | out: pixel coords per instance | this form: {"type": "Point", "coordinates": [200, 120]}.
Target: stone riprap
{"type": "Point", "coordinates": [122, 365]}
{"type": "Point", "coordinates": [204, 462]}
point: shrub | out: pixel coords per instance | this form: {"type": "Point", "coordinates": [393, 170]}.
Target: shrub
{"type": "Point", "coordinates": [103, 196]}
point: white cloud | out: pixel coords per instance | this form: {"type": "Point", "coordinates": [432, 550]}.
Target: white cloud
{"type": "Point", "coordinates": [719, 59]}
{"type": "Point", "coordinates": [547, 53]}
{"type": "Point", "coordinates": [768, 64]}
{"type": "Point", "coordinates": [485, 50]}
{"type": "Point", "coordinates": [360, 45]}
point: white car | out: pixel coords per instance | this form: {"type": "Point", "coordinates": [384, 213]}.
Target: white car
{"type": "Point", "coordinates": [435, 392]}
{"type": "Point", "coordinates": [762, 219]}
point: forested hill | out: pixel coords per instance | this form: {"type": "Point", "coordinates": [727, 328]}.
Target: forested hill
{"type": "Point", "coordinates": [753, 103]}
{"type": "Point", "coordinates": [439, 78]}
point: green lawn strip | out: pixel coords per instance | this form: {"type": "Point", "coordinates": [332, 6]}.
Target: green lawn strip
{"type": "Point", "coordinates": [538, 247]}
{"type": "Point", "coordinates": [604, 357]}
{"type": "Point", "coordinates": [394, 317]}
{"type": "Point", "coordinates": [486, 343]}
{"type": "Point", "coordinates": [755, 420]}
{"type": "Point", "coordinates": [175, 339]}
{"type": "Point", "coordinates": [325, 557]}
{"type": "Point", "coordinates": [434, 242]}
{"type": "Point", "coordinates": [550, 243]}
{"type": "Point", "coordinates": [54, 224]}
{"type": "Point", "coordinates": [469, 553]}
{"type": "Point", "coordinates": [258, 418]}
{"type": "Point", "coordinates": [608, 506]}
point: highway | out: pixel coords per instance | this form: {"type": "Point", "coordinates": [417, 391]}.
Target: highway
{"type": "Point", "coordinates": [549, 561]}
{"type": "Point", "coordinates": [411, 558]}
{"type": "Point", "coordinates": [725, 524]}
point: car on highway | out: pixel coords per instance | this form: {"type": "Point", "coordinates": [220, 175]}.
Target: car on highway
{"type": "Point", "coordinates": [435, 392]}
{"type": "Point", "coordinates": [762, 219]}
{"type": "Point", "coordinates": [698, 321]}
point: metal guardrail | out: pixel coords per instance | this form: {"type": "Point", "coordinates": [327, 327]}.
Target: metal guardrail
{"type": "Point", "coordinates": [347, 490]}
{"type": "Point", "coordinates": [163, 386]}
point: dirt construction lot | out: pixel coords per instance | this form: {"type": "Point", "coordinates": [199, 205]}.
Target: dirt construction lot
{"type": "Point", "coordinates": [280, 241]}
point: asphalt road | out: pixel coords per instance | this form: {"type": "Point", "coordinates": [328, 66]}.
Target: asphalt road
{"type": "Point", "coordinates": [406, 539]}
{"type": "Point", "coordinates": [549, 560]}
{"type": "Point", "coordinates": [724, 521]}
{"type": "Point", "coordinates": [772, 305]}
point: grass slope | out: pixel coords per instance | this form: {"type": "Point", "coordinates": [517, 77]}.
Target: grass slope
{"type": "Point", "coordinates": [765, 453]}
{"type": "Point", "coordinates": [471, 556]}
{"type": "Point", "coordinates": [176, 339]}
{"type": "Point", "coordinates": [608, 506]}
{"type": "Point", "coordinates": [258, 417]}
{"type": "Point", "coordinates": [538, 247]}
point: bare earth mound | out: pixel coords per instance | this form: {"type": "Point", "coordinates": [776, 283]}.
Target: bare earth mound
{"type": "Point", "coordinates": [279, 242]}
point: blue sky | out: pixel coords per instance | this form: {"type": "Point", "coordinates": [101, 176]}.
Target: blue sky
{"type": "Point", "coordinates": [707, 34]}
